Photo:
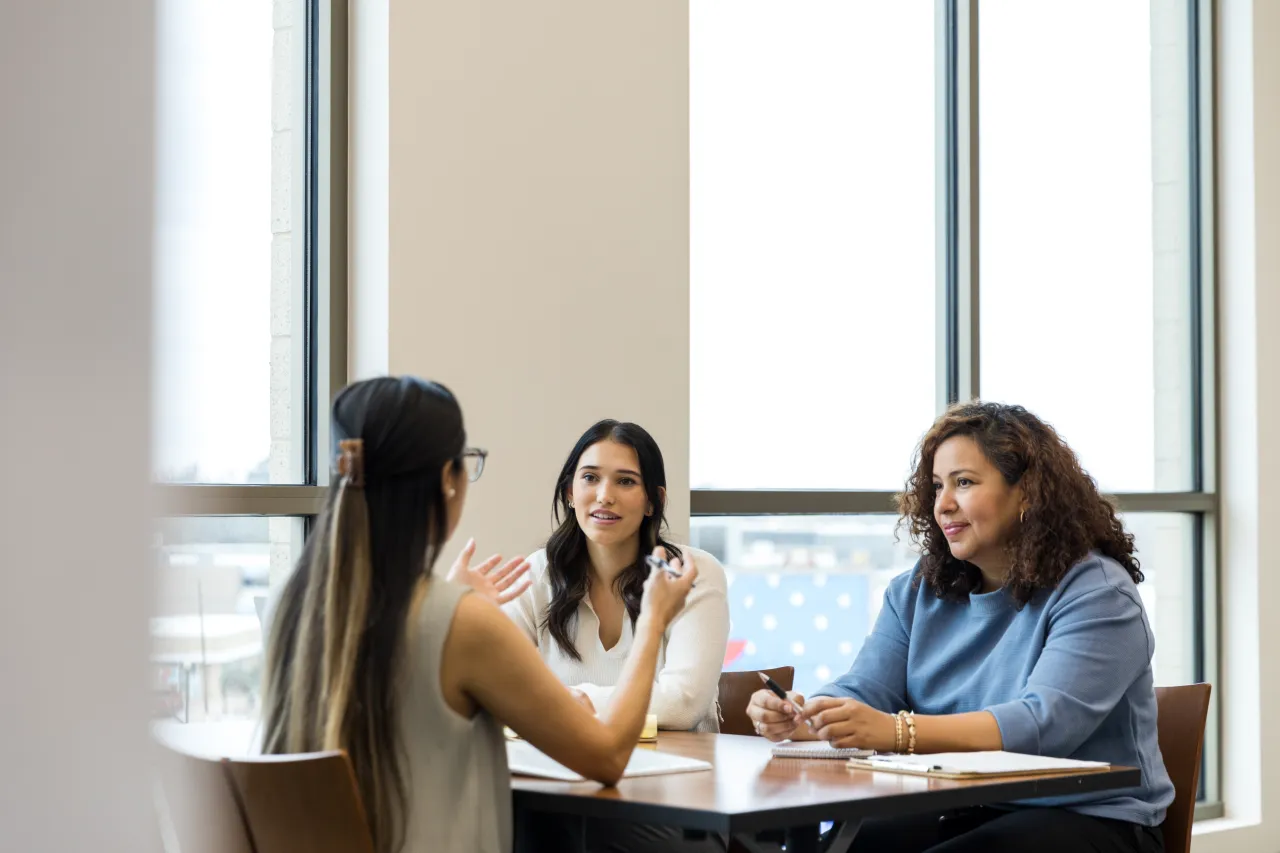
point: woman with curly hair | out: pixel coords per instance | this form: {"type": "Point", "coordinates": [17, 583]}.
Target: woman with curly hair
{"type": "Point", "coordinates": [1020, 629]}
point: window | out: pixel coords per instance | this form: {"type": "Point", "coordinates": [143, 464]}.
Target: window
{"type": "Point", "coordinates": [249, 210]}
{"type": "Point", "coordinates": [1030, 224]}
{"type": "Point", "coordinates": [812, 255]}
{"type": "Point", "coordinates": [214, 576]}
{"type": "Point", "coordinates": [1099, 240]}
{"type": "Point", "coordinates": [804, 590]}
{"type": "Point", "coordinates": [230, 306]}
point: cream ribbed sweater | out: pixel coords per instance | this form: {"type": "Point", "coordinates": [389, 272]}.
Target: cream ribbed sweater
{"type": "Point", "coordinates": [689, 660]}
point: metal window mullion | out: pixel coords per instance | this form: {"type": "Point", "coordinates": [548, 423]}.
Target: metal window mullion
{"type": "Point", "coordinates": [944, 217]}
{"type": "Point", "coordinates": [1202, 81]}
{"type": "Point", "coordinates": [967, 225]}
{"type": "Point", "coordinates": [956, 110]}
{"type": "Point", "coordinates": [312, 336]}
{"type": "Point", "coordinates": [328, 339]}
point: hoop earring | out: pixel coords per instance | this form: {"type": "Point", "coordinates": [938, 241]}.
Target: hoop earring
{"type": "Point", "coordinates": [1022, 517]}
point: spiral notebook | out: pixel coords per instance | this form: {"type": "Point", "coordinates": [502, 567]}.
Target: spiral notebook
{"type": "Point", "coordinates": [816, 749]}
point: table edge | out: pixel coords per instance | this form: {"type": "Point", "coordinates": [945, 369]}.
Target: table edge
{"type": "Point", "coordinates": [890, 805]}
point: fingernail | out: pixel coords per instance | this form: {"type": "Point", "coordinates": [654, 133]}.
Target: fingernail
{"type": "Point", "coordinates": [786, 708]}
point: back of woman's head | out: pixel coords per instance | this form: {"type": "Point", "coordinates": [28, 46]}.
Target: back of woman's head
{"type": "Point", "coordinates": [335, 640]}
{"type": "Point", "coordinates": [567, 558]}
{"type": "Point", "coordinates": [1065, 516]}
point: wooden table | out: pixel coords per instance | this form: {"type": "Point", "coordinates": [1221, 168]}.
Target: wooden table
{"type": "Point", "coordinates": [750, 796]}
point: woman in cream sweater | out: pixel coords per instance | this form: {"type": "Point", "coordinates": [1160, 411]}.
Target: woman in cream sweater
{"type": "Point", "coordinates": [588, 581]}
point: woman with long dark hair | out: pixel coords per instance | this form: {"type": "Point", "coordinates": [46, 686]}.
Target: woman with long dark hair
{"type": "Point", "coordinates": [407, 672]}
{"type": "Point", "coordinates": [609, 504]}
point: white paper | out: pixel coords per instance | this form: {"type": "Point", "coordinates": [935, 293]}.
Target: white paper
{"type": "Point", "coordinates": [525, 760]}
{"type": "Point", "coordinates": [992, 763]}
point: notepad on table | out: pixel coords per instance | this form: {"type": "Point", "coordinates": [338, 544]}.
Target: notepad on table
{"type": "Point", "coordinates": [817, 749]}
{"type": "Point", "coordinates": [525, 760]}
{"type": "Point", "coordinates": [969, 765]}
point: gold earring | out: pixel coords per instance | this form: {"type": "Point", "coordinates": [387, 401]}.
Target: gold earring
{"type": "Point", "coordinates": [1022, 517]}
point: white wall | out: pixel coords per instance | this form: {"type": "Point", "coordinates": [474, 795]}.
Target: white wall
{"type": "Point", "coordinates": [539, 254]}
{"type": "Point", "coordinates": [1249, 370]}
{"type": "Point", "coordinates": [76, 92]}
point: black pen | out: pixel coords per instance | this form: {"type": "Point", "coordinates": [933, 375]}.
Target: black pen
{"type": "Point", "coordinates": [777, 689]}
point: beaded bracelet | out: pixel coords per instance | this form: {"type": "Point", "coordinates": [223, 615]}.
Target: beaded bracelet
{"type": "Point", "coordinates": [909, 718]}
{"type": "Point", "coordinates": [897, 733]}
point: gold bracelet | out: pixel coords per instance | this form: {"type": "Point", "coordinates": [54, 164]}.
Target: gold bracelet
{"type": "Point", "coordinates": [897, 732]}
{"type": "Point", "coordinates": [911, 732]}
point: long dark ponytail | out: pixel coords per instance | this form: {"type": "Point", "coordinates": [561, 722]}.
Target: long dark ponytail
{"type": "Point", "coordinates": [334, 649]}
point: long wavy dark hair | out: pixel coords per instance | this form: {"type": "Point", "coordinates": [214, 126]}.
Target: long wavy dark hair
{"type": "Point", "coordinates": [336, 639]}
{"type": "Point", "coordinates": [567, 559]}
{"type": "Point", "coordinates": [1065, 518]}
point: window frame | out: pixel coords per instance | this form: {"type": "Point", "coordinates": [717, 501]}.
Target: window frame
{"type": "Point", "coordinates": [957, 89]}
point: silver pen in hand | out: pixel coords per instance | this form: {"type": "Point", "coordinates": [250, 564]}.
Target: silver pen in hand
{"type": "Point", "coordinates": [659, 563]}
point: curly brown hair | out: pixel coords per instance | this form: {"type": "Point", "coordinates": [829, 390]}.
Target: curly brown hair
{"type": "Point", "coordinates": [1066, 517]}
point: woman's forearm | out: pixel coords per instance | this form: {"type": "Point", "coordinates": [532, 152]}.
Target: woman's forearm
{"type": "Point", "coordinates": [972, 732]}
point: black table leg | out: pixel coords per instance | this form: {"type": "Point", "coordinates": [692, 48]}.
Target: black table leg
{"type": "Point", "coordinates": [842, 835]}
{"type": "Point", "coordinates": [536, 832]}
{"type": "Point", "coordinates": [752, 843]}
{"type": "Point", "coordinates": [802, 839]}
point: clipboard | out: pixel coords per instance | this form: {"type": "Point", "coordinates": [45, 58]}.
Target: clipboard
{"type": "Point", "coordinates": [977, 765]}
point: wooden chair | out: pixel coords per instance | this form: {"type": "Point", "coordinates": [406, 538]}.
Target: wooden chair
{"type": "Point", "coordinates": [1181, 715]}
{"type": "Point", "coordinates": [735, 692]}
{"type": "Point", "coordinates": [196, 805]}
{"type": "Point", "coordinates": [306, 803]}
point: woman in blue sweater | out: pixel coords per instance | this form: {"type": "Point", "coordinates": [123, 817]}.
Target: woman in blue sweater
{"type": "Point", "coordinates": [1020, 629]}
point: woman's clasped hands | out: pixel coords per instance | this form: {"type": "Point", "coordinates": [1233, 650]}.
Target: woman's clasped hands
{"type": "Point", "coordinates": [844, 723]}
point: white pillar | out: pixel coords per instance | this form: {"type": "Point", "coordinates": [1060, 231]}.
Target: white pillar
{"type": "Point", "coordinates": [76, 165]}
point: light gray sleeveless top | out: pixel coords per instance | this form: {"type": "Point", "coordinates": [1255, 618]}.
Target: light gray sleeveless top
{"type": "Point", "coordinates": [458, 782]}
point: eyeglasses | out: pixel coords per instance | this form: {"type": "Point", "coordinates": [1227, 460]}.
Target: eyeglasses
{"type": "Point", "coordinates": [473, 458]}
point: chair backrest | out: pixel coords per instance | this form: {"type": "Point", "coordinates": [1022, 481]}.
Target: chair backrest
{"type": "Point", "coordinates": [306, 803]}
{"type": "Point", "coordinates": [1182, 712]}
{"type": "Point", "coordinates": [735, 692]}
{"type": "Point", "coordinates": [196, 806]}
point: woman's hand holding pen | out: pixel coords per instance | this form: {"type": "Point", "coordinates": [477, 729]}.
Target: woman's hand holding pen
{"type": "Point", "coordinates": [664, 593]}
{"type": "Point", "coordinates": [778, 719]}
